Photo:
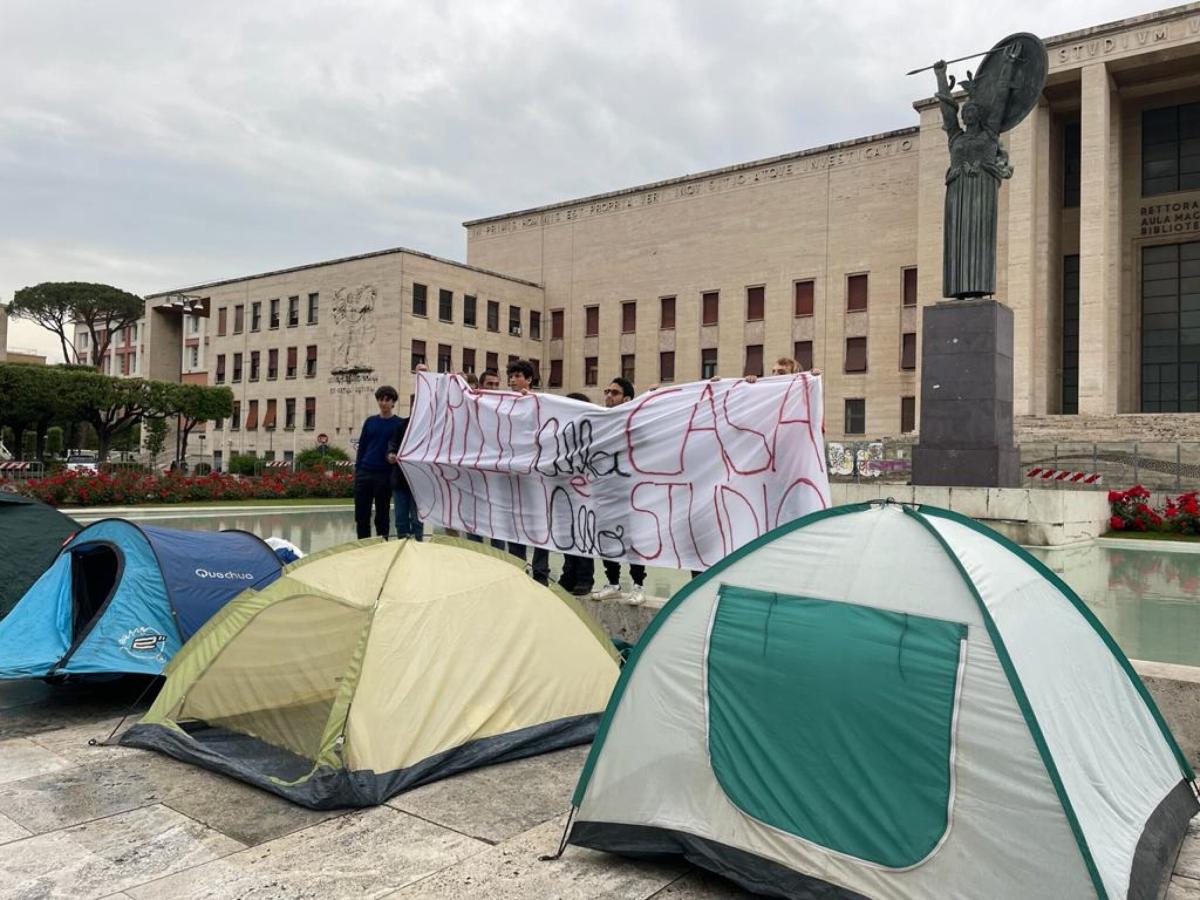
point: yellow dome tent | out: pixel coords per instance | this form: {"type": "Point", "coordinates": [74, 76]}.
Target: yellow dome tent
{"type": "Point", "coordinates": [373, 667]}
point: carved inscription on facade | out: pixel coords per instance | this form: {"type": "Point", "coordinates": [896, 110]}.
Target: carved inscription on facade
{"type": "Point", "coordinates": [725, 181]}
{"type": "Point", "coordinates": [1127, 42]}
{"type": "Point", "coordinates": [1178, 217]}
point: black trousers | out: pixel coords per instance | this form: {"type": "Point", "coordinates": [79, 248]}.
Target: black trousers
{"type": "Point", "coordinates": [541, 560]}
{"type": "Point", "coordinates": [613, 570]}
{"type": "Point", "coordinates": [578, 574]}
{"type": "Point", "coordinates": [372, 487]}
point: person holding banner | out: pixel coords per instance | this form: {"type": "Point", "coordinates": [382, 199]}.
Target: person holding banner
{"type": "Point", "coordinates": [520, 379]}
{"type": "Point", "coordinates": [618, 392]}
{"type": "Point", "coordinates": [407, 522]}
{"type": "Point", "coordinates": [372, 470]}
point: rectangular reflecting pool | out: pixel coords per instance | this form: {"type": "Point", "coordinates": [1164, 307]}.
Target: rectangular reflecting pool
{"type": "Point", "coordinates": [1147, 597]}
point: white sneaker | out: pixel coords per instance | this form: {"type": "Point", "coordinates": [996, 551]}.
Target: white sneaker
{"type": "Point", "coordinates": [608, 592]}
{"type": "Point", "coordinates": [637, 596]}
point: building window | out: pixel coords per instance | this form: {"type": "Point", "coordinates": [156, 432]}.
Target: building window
{"type": "Point", "coordinates": [218, 456]}
{"type": "Point", "coordinates": [256, 315]}
{"type": "Point", "coordinates": [802, 298]}
{"type": "Point", "coordinates": [310, 361]}
{"type": "Point", "coordinates": [1070, 333]}
{"type": "Point", "coordinates": [420, 299]}
{"type": "Point", "coordinates": [468, 310]}
{"type": "Point", "coordinates": [514, 321]}
{"type": "Point", "coordinates": [908, 350]}
{"type": "Point", "coordinates": [493, 315]}
{"type": "Point", "coordinates": [1170, 328]}
{"type": "Point", "coordinates": [537, 371]}
{"type": "Point", "coordinates": [272, 365]}
{"type": "Point", "coordinates": [83, 339]}
{"type": "Point", "coordinates": [629, 367]}
{"type": "Point", "coordinates": [254, 356]}
{"type": "Point", "coordinates": [556, 324]}
{"type": "Point", "coordinates": [235, 421]}
{"type": "Point", "coordinates": [269, 418]}
{"type": "Point", "coordinates": [856, 293]}
{"type": "Point", "coordinates": [535, 325]}
{"type": "Point", "coordinates": [803, 353]}
{"type": "Point", "coordinates": [512, 358]}
{"type": "Point", "coordinates": [556, 373]}
{"type": "Point", "coordinates": [293, 312]}
{"type": "Point", "coordinates": [310, 413]}
{"type": "Point", "coordinates": [856, 354]}
{"type": "Point", "coordinates": [220, 368]}
{"type": "Point", "coordinates": [591, 321]}
{"type": "Point", "coordinates": [468, 359]}
{"type": "Point", "coordinates": [666, 366]}
{"type": "Point", "coordinates": [445, 305]}
{"type": "Point", "coordinates": [274, 320]}
{"type": "Point", "coordinates": [418, 354]}
{"type": "Point", "coordinates": [193, 357]}
{"type": "Point", "coordinates": [756, 303]}
{"type": "Point", "coordinates": [239, 319]}
{"type": "Point", "coordinates": [590, 370]}
{"type": "Point", "coordinates": [1171, 149]}
{"type": "Point", "coordinates": [290, 372]}
{"type": "Point", "coordinates": [252, 416]}
{"type": "Point", "coordinates": [629, 317]}
{"type": "Point", "coordinates": [856, 416]}
{"type": "Point", "coordinates": [221, 322]}
{"type": "Point", "coordinates": [754, 360]}
{"type": "Point", "coordinates": [194, 324]}
{"type": "Point", "coordinates": [710, 302]}
{"type": "Point", "coordinates": [1072, 142]}
{"type": "Point", "coordinates": [492, 361]}
{"type": "Point", "coordinates": [909, 288]}
{"type": "Point", "coordinates": [708, 363]}
{"type": "Point", "coordinates": [908, 415]}
{"type": "Point", "coordinates": [666, 313]}
{"type": "Point", "coordinates": [237, 367]}
{"type": "Point", "coordinates": [289, 413]}
{"type": "Point", "coordinates": [444, 362]}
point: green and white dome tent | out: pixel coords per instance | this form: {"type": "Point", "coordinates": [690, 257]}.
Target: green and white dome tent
{"type": "Point", "coordinates": [888, 701]}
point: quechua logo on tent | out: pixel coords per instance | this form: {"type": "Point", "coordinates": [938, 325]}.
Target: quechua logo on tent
{"type": "Point", "coordinates": [224, 576]}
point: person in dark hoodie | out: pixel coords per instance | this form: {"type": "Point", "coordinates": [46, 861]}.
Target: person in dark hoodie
{"type": "Point", "coordinates": [372, 471]}
{"type": "Point", "coordinates": [407, 522]}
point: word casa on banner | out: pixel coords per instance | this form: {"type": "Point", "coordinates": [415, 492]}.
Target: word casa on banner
{"type": "Point", "coordinates": [677, 477]}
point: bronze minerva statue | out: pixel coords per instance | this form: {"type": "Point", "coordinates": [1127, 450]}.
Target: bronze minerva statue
{"type": "Point", "coordinates": [1005, 88]}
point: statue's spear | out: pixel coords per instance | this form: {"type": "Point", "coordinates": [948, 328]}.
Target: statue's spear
{"type": "Point", "coordinates": [960, 59]}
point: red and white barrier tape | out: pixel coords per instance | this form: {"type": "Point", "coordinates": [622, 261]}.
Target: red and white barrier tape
{"type": "Point", "coordinates": [14, 466]}
{"type": "Point", "coordinates": [1065, 475]}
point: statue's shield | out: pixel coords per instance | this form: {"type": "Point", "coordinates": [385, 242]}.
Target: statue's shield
{"type": "Point", "coordinates": [1027, 80]}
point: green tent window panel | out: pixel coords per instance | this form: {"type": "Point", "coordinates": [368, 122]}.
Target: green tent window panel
{"type": "Point", "coordinates": [834, 722]}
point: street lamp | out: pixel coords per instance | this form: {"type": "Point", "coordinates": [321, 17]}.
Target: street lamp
{"type": "Point", "coordinates": [202, 436]}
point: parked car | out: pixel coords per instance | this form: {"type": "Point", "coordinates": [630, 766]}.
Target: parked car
{"type": "Point", "coordinates": [83, 464]}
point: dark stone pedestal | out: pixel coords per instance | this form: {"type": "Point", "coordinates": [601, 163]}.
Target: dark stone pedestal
{"type": "Point", "coordinates": [966, 396]}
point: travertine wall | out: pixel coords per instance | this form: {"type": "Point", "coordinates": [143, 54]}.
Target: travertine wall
{"type": "Point", "coordinates": [363, 334]}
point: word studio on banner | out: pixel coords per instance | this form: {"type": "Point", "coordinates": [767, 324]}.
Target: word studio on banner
{"type": "Point", "coordinates": [679, 477]}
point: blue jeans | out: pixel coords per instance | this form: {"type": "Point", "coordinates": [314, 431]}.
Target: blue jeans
{"type": "Point", "coordinates": [407, 523]}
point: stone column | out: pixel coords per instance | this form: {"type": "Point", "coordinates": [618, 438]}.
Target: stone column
{"type": "Point", "coordinates": [1099, 251]}
{"type": "Point", "coordinates": [1027, 237]}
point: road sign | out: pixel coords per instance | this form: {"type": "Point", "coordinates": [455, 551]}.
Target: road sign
{"type": "Point", "coordinates": [322, 438]}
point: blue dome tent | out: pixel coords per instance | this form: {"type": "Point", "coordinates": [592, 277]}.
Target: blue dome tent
{"type": "Point", "coordinates": [123, 598]}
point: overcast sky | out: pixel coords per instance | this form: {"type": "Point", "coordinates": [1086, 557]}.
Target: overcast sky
{"type": "Point", "coordinates": [158, 144]}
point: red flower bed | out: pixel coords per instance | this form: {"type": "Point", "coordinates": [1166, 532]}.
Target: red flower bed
{"type": "Point", "coordinates": [1131, 511]}
{"type": "Point", "coordinates": [137, 488]}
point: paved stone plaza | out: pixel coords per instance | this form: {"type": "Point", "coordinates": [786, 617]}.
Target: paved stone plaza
{"type": "Point", "coordinates": [110, 822]}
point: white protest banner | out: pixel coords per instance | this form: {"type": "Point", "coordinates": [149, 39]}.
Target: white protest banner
{"type": "Point", "coordinates": [678, 477]}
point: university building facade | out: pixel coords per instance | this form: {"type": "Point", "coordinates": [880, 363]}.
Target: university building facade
{"type": "Point", "coordinates": [826, 255]}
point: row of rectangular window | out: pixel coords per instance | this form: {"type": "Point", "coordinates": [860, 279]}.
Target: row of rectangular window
{"type": "Point", "coordinates": [420, 307]}
{"type": "Point", "coordinates": [269, 416]}
{"type": "Point", "coordinates": [855, 362]}
{"type": "Point", "coordinates": [803, 293]}
{"type": "Point", "coordinates": [310, 365]}
{"type": "Point", "coordinates": [293, 314]}
{"type": "Point", "coordinates": [445, 363]}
